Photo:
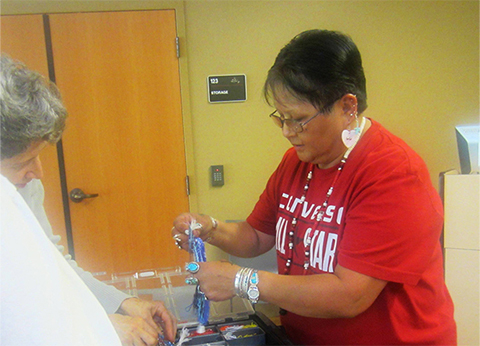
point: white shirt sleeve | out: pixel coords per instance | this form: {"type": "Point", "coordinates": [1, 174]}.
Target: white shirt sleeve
{"type": "Point", "coordinates": [109, 296]}
{"type": "Point", "coordinates": [43, 301]}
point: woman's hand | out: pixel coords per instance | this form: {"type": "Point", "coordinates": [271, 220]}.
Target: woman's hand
{"type": "Point", "coordinates": [217, 279]}
{"type": "Point", "coordinates": [184, 221]}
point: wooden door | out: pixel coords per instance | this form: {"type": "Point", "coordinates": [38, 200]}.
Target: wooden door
{"type": "Point", "coordinates": [22, 38]}
{"type": "Point", "coordinates": [119, 74]}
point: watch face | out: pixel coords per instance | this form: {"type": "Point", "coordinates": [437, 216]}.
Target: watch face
{"type": "Point", "coordinates": [253, 293]}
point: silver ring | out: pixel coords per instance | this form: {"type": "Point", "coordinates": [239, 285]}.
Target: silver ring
{"type": "Point", "coordinates": [177, 239]}
{"type": "Point", "coordinates": [192, 267]}
{"type": "Point", "coordinates": [191, 280]}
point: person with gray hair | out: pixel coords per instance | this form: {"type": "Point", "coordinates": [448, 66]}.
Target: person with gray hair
{"type": "Point", "coordinates": [32, 117]}
{"type": "Point", "coordinates": [31, 109]}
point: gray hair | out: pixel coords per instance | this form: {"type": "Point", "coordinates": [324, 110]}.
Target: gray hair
{"type": "Point", "coordinates": [31, 108]}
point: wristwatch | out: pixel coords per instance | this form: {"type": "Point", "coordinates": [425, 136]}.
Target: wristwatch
{"type": "Point", "coordinates": [253, 292]}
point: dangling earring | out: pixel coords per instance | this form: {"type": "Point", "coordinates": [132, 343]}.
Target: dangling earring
{"type": "Point", "coordinates": [350, 137]}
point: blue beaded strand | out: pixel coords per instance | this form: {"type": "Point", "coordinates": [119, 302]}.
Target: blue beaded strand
{"type": "Point", "coordinates": [197, 249]}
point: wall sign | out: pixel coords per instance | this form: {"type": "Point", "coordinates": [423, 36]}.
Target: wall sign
{"type": "Point", "coordinates": [227, 88]}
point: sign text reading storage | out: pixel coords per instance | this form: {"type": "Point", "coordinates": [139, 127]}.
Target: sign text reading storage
{"type": "Point", "coordinates": [227, 88]}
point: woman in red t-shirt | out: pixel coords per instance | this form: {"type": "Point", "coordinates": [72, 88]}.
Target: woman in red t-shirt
{"type": "Point", "coordinates": [350, 210]}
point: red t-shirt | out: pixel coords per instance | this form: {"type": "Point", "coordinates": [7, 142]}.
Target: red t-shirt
{"type": "Point", "coordinates": [384, 219]}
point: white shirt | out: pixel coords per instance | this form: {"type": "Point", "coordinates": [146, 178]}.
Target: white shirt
{"type": "Point", "coordinates": [43, 301]}
{"type": "Point", "coordinates": [110, 298]}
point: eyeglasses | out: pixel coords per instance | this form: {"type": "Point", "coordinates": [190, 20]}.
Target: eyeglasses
{"type": "Point", "coordinates": [292, 124]}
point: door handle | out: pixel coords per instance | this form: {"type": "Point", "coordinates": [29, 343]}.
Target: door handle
{"type": "Point", "coordinates": [77, 195]}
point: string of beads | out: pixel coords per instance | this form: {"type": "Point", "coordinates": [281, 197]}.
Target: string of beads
{"type": "Point", "coordinates": [321, 212]}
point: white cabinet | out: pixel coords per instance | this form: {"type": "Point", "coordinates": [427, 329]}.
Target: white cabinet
{"type": "Point", "coordinates": [462, 250]}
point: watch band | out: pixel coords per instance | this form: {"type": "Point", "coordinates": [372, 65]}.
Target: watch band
{"type": "Point", "coordinates": [253, 292]}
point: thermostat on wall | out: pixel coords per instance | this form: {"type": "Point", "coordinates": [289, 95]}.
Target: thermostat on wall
{"type": "Point", "coordinates": [227, 88]}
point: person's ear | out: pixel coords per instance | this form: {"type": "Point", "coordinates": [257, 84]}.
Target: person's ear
{"type": "Point", "coordinates": [349, 105]}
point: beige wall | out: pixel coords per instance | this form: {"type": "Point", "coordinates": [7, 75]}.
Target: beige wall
{"type": "Point", "coordinates": [421, 60]}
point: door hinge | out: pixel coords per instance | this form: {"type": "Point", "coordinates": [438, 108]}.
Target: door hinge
{"type": "Point", "coordinates": [187, 184]}
{"type": "Point", "coordinates": [177, 46]}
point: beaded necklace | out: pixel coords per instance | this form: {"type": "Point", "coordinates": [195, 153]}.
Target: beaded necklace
{"type": "Point", "coordinates": [321, 212]}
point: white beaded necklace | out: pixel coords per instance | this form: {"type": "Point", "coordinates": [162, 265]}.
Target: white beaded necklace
{"type": "Point", "coordinates": [321, 212]}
